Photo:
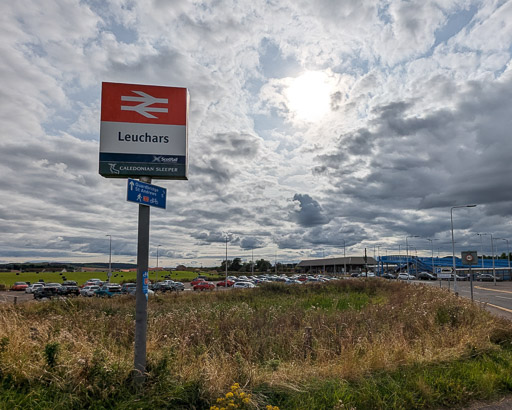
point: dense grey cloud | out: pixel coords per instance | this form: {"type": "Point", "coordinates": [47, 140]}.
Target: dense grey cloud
{"type": "Point", "coordinates": [417, 120]}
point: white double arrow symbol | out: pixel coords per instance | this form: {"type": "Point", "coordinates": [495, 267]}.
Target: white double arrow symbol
{"type": "Point", "coordinates": [144, 108]}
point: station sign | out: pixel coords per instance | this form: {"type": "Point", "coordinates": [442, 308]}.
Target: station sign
{"type": "Point", "coordinates": [143, 131]}
{"type": "Point", "coordinates": [146, 194]}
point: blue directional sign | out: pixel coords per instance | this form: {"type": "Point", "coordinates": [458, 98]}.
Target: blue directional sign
{"type": "Point", "coordinates": [146, 194]}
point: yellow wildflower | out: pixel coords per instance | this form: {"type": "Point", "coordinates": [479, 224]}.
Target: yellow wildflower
{"type": "Point", "coordinates": [246, 400]}
{"type": "Point", "coordinates": [229, 395]}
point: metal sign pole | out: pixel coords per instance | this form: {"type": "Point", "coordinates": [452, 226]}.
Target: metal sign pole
{"type": "Point", "coordinates": [471, 282]}
{"type": "Point", "coordinates": [141, 303]}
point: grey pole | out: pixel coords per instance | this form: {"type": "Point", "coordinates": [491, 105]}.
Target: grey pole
{"type": "Point", "coordinates": [226, 282]}
{"type": "Point", "coordinates": [141, 303]}
{"type": "Point", "coordinates": [482, 248]}
{"type": "Point", "coordinates": [493, 266]}
{"type": "Point", "coordinates": [252, 263]}
{"type": "Point", "coordinates": [453, 244]}
{"type": "Point", "coordinates": [157, 265]}
{"type": "Point", "coordinates": [344, 258]}
{"type": "Point", "coordinates": [399, 261]}
{"type": "Point", "coordinates": [433, 266]}
{"type": "Point", "coordinates": [109, 258]}
{"type": "Point", "coordinates": [407, 251]}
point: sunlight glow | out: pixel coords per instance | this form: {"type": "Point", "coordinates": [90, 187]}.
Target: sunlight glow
{"type": "Point", "coordinates": [309, 96]}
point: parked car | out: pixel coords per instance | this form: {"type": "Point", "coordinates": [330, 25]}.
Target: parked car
{"type": "Point", "coordinates": [426, 276]}
{"type": "Point", "coordinates": [90, 282]}
{"type": "Point", "coordinates": [32, 288]}
{"type": "Point", "coordinates": [405, 276]}
{"type": "Point", "coordinates": [196, 281]}
{"type": "Point", "coordinates": [19, 286]}
{"type": "Point", "coordinates": [177, 286]}
{"type": "Point", "coordinates": [487, 277]}
{"type": "Point", "coordinates": [48, 291]}
{"type": "Point", "coordinates": [203, 285]}
{"type": "Point", "coordinates": [223, 283]}
{"type": "Point", "coordinates": [89, 290]}
{"type": "Point", "coordinates": [69, 287]}
{"type": "Point", "coordinates": [244, 285]}
{"type": "Point", "coordinates": [388, 276]}
{"type": "Point", "coordinates": [129, 288]}
{"type": "Point", "coordinates": [162, 287]}
{"type": "Point", "coordinates": [108, 290]}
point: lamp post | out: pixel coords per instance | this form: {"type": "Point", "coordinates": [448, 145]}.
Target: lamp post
{"type": "Point", "coordinates": [508, 252]}
{"type": "Point", "coordinates": [432, 245]}
{"type": "Point", "coordinates": [157, 265]}
{"type": "Point", "coordinates": [226, 282]}
{"type": "Point", "coordinates": [344, 258]}
{"type": "Point", "coordinates": [109, 258]}
{"type": "Point", "coordinates": [493, 266]}
{"type": "Point", "coordinates": [399, 261]}
{"type": "Point", "coordinates": [482, 247]}
{"type": "Point", "coordinates": [453, 244]}
{"type": "Point", "coordinates": [407, 251]}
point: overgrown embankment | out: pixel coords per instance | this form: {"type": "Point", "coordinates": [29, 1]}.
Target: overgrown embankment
{"type": "Point", "coordinates": [352, 343]}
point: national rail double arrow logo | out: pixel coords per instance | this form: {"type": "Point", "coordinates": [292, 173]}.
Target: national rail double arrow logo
{"type": "Point", "coordinates": [146, 101]}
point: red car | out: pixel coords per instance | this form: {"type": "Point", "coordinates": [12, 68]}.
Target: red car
{"type": "Point", "coordinates": [197, 281]}
{"type": "Point", "coordinates": [204, 286]}
{"type": "Point", "coordinates": [19, 286]}
{"type": "Point", "coordinates": [223, 283]}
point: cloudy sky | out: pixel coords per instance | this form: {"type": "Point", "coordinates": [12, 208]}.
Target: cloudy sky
{"type": "Point", "coordinates": [311, 125]}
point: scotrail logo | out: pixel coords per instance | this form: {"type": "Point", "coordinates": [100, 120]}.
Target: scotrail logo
{"type": "Point", "coordinates": [164, 159]}
{"type": "Point", "coordinates": [146, 101]}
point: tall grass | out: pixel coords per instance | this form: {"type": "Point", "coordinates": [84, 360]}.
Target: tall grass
{"type": "Point", "coordinates": [81, 350]}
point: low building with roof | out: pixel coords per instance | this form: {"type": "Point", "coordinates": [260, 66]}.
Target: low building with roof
{"type": "Point", "coordinates": [336, 266]}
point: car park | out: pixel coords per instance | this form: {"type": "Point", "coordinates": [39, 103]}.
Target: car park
{"type": "Point", "coordinates": [19, 286]}
{"type": "Point", "coordinates": [203, 285]}
{"type": "Point", "coordinates": [108, 290]}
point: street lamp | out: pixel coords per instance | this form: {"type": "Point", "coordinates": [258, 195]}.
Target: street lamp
{"type": "Point", "coordinates": [344, 258]}
{"type": "Point", "coordinates": [453, 244]}
{"type": "Point", "coordinates": [432, 245]}
{"type": "Point", "coordinates": [226, 282]}
{"type": "Point", "coordinates": [109, 258]}
{"type": "Point", "coordinates": [157, 265]}
{"type": "Point", "coordinates": [482, 247]}
{"type": "Point", "coordinates": [508, 252]}
{"type": "Point", "coordinates": [407, 251]}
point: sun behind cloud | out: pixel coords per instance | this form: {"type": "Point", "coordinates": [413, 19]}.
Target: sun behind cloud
{"type": "Point", "coordinates": [308, 96]}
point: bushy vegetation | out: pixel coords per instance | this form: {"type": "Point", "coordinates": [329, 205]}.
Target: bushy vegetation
{"type": "Point", "coordinates": [353, 343]}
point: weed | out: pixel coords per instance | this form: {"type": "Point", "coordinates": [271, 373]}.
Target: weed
{"type": "Point", "coordinates": [51, 351]}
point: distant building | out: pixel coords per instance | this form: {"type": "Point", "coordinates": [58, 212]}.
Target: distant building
{"type": "Point", "coordinates": [336, 265]}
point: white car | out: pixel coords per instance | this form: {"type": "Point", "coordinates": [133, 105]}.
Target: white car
{"type": "Point", "coordinates": [89, 290]}
{"type": "Point", "coordinates": [405, 276]}
{"type": "Point", "coordinates": [244, 285]}
{"type": "Point", "coordinates": [32, 288]}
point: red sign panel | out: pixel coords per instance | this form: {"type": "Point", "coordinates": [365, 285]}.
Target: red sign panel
{"type": "Point", "coordinates": [145, 104]}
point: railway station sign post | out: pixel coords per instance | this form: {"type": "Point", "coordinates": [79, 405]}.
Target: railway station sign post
{"type": "Point", "coordinates": [143, 134]}
{"type": "Point", "coordinates": [470, 258]}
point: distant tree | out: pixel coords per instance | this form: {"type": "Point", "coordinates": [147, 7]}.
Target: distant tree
{"type": "Point", "coordinates": [262, 265]}
{"type": "Point", "coordinates": [236, 265]}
